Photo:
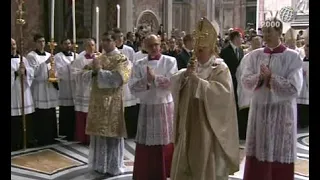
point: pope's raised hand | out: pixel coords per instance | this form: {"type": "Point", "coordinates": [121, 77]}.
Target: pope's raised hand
{"type": "Point", "coordinates": [191, 69]}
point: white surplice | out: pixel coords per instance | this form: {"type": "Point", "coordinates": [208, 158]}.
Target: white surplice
{"type": "Point", "coordinates": [304, 94]}
{"type": "Point", "coordinates": [82, 88]}
{"type": "Point", "coordinates": [244, 96]}
{"type": "Point", "coordinates": [156, 103]}
{"type": "Point", "coordinates": [16, 104]}
{"type": "Point", "coordinates": [66, 82]}
{"type": "Point", "coordinates": [45, 96]}
{"type": "Point", "coordinates": [128, 98]}
{"type": "Point", "coordinates": [272, 125]}
{"type": "Point", "coordinates": [139, 55]}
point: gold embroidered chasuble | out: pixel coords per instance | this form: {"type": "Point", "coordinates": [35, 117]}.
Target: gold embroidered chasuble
{"type": "Point", "coordinates": [205, 125]}
{"type": "Point", "coordinates": [106, 111]}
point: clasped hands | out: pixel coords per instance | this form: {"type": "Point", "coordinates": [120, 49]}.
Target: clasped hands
{"type": "Point", "coordinates": [265, 72]}
{"type": "Point", "coordinates": [150, 75]}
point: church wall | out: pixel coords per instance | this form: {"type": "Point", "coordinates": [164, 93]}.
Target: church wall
{"type": "Point", "coordinates": [181, 17]}
{"type": "Point", "coordinates": [34, 22]}
{"type": "Point", "coordinates": [156, 6]}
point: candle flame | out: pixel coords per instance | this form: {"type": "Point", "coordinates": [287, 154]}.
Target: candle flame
{"type": "Point", "coordinates": [118, 6]}
{"type": "Point", "coordinates": [97, 9]}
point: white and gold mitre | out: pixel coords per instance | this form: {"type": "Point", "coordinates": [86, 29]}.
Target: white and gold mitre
{"type": "Point", "coordinates": [206, 33]}
{"type": "Point", "coordinates": [291, 34]}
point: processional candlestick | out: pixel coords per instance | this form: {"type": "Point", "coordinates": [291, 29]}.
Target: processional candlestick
{"type": "Point", "coordinates": [52, 72]}
{"type": "Point", "coordinates": [20, 22]}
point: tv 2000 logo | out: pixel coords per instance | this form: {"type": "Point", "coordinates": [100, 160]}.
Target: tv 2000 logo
{"type": "Point", "coordinates": [272, 24]}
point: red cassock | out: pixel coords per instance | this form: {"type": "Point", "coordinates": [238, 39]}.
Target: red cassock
{"type": "Point", "coordinates": [81, 120]}
{"type": "Point", "coordinates": [152, 162]}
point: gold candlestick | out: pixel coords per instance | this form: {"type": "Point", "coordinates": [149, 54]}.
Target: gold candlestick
{"type": "Point", "coordinates": [20, 22]}
{"type": "Point", "coordinates": [75, 47]}
{"type": "Point", "coordinates": [52, 71]}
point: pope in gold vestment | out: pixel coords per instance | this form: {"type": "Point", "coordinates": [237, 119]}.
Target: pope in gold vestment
{"type": "Point", "coordinates": [206, 131]}
{"type": "Point", "coordinates": [105, 121]}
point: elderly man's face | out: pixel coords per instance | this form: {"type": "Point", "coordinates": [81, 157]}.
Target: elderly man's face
{"type": "Point", "coordinates": [203, 53]}
{"type": "Point", "coordinates": [152, 45]}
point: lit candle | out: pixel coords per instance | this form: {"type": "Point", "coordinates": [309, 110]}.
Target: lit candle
{"type": "Point", "coordinates": [52, 19]}
{"type": "Point", "coordinates": [118, 16]}
{"type": "Point", "coordinates": [74, 20]}
{"type": "Point", "coordinates": [97, 28]}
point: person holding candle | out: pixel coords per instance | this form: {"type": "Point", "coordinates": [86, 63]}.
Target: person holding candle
{"type": "Point", "coordinates": [105, 121]}
{"type": "Point", "coordinates": [17, 71]}
{"type": "Point", "coordinates": [150, 82]}
{"type": "Point", "coordinates": [63, 61]}
{"type": "Point", "coordinates": [82, 89]}
{"type": "Point", "coordinates": [45, 94]}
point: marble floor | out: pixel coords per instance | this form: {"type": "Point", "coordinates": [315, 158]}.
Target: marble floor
{"type": "Point", "coordinates": [68, 160]}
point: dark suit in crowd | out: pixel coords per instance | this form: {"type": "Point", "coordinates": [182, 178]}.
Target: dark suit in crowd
{"type": "Point", "coordinates": [232, 57]}
{"type": "Point", "coordinates": [183, 58]}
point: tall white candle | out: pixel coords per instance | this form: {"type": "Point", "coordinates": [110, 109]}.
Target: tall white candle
{"type": "Point", "coordinates": [97, 28]}
{"type": "Point", "coordinates": [74, 20]}
{"type": "Point", "coordinates": [118, 16]}
{"type": "Point", "coordinates": [52, 19]}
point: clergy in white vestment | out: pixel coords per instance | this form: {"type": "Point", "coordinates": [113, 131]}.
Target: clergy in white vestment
{"type": "Point", "coordinates": [244, 96]}
{"type": "Point", "coordinates": [82, 89]}
{"type": "Point", "coordinates": [105, 121]}
{"type": "Point", "coordinates": [16, 107]}
{"type": "Point", "coordinates": [63, 60]}
{"type": "Point", "coordinates": [206, 141]}
{"type": "Point", "coordinates": [291, 42]}
{"type": "Point", "coordinates": [303, 99]}
{"type": "Point", "coordinates": [150, 82]}
{"type": "Point", "coordinates": [45, 94]}
{"type": "Point", "coordinates": [274, 77]}
{"type": "Point", "coordinates": [130, 101]}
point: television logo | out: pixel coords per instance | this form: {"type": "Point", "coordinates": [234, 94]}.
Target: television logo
{"type": "Point", "coordinates": [287, 14]}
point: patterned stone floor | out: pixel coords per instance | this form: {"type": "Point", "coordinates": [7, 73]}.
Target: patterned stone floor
{"type": "Point", "coordinates": [68, 160]}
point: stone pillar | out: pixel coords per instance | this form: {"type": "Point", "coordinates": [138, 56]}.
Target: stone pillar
{"type": "Point", "coordinates": [126, 15]}
{"type": "Point", "coordinates": [192, 16]}
{"type": "Point", "coordinates": [221, 19]}
{"type": "Point", "coordinates": [211, 10]}
{"type": "Point", "coordinates": [168, 17]}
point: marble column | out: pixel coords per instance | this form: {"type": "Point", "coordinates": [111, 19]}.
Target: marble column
{"type": "Point", "coordinates": [168, 17]}
{"type": "Point", "coordinates": [211, 9]}
{"type": "Point", "coordinates": [221, 19]}
{"type": "Point", "coordinates": [126, 15]}
{"type": "Point", "coordinates": [192, 16]}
